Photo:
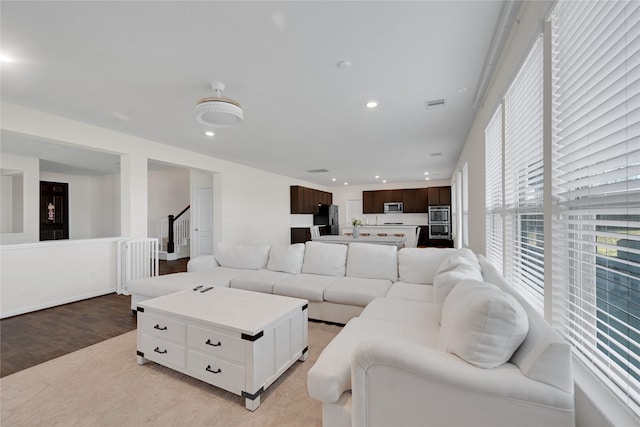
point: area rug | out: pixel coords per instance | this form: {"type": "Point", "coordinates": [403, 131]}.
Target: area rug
{"type": "Point", "coordinates": [102, 385]}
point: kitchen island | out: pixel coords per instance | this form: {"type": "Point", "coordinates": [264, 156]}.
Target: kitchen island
{"type": "Point", "coordinates": [410, 232]}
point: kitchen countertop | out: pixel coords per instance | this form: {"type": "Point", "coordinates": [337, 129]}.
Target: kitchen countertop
{"type": "Point", "coordinates": [387, 226]}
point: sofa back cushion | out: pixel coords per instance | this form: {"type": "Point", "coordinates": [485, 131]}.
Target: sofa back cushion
{"type": "Point", "coordinates": [286, 258]}
{"type": "Point", "coordinates": [543, 356]}
{"type": "Point", "coordinates": [246, 257]}
{"type": "Point", "coordinates": [482, 324]}
{"type": "Point", "coordinates": [419, 265]}
{"type": "Point", "coordinates": [371, 261]}
{"type": "Point", "coordinates": [328, 259]}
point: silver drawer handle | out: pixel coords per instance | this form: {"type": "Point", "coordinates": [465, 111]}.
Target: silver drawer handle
{"type": "Point", "coordinates": [157, 350]}
{"type": "Point", "coordinates": [217, 371]}
{"type": "Point", "coordinates": [160, 328]}
{"type": "Point", "coordinates": [218, 344]}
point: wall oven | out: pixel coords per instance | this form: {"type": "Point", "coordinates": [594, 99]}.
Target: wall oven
{"type": "Point", "coordinates": [439, 231]}
{"type": "Point", "coordinates": [439, 215]}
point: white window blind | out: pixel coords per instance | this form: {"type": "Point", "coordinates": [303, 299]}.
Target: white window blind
{"type": "Point", "coordinates": [596, 137]}
{"type": "Point", "coordinates": [493, 188]}
{"type": "Point", "coordinates": [523, 175]}
{"type": "Point", "coordinates": [461, 231]}
{"type": "Point", "coordinates": [465, 205]}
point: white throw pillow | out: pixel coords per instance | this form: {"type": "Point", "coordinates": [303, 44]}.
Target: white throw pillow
{"type": "Point", "coordinates": [444, 281]}
{"type": "Point", "coordinates": [482, 324]}
{"type": "Point", "coordinates": [461, 256]}
{"type": "Point", "coordinates": [287, 258]}
{"type": "Point", "coordinates": [246, 257]}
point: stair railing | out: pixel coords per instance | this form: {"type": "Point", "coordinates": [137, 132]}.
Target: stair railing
{"type": "Point", "coordinates": [170, 231]}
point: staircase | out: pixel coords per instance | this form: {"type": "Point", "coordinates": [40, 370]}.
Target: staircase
{"type": "Point", "coordinates": [174, 236]}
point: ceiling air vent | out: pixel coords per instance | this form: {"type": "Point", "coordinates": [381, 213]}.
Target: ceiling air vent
{"type": "Point", "coordinates": [435, 103]}
{"type": "Point", "coordinates": [317, 170]}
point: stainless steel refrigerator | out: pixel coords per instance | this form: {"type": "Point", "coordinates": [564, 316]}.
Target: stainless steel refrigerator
{"type": "Point", "coordinates": [327, 217]}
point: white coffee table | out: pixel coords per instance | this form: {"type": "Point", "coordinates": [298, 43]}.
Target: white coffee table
{"type": "Point", "coordinates": [237, 340]}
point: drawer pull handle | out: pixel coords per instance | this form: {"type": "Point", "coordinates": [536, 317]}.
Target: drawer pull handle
{"type": "Point", "coordinates": [218, 344]}
{"type": "Point", "coordinates": [160, 328]}
{"type": "Point", "coordinates": [157, 350]}
{"type": "Point", "coordinates": [217, 371]}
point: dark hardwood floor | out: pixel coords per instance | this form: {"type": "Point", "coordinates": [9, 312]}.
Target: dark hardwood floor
{"type": "Point", "coordinates": [33, 338]}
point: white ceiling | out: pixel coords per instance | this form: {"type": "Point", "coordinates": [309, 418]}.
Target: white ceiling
{"type": "Point", "coordinates": [138, 67]}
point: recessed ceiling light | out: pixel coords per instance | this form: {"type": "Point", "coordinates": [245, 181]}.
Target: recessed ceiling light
{"type": "Point", "coordinates": [209, 133]}
{"type": "Point", "coordinates": [346, 183]}
{"type": "Point", "coordinates": [333, 179]}
{"type": "Point", "coordinates": [377, 176]}
{"type": "Point", "coordinates": [384, 181]}
{"type": "Point", "coordinates": [427, 179]}
{"type": "Point", "coordinates": [372, 104]}
{"type": "Point", "coordinates": [426, 173]}
{"type": "Point", "coordinates": [5, 58]}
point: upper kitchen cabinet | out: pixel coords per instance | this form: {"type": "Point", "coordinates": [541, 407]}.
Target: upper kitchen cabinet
{"type": "Point", "coordinates": [373, 202]}
{"type": "Point", "coordinates": [439, 196]}
{"type": "Point", "coordinates": [415, 200]}
{"type": "Point", "coordinates": [306, 200]}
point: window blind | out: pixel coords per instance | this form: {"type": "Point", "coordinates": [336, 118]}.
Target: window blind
{"type": "Point", "coordinates": [465, 205]}
{"type": "Point", "coordinates": [493, 188]}
{"type": "Point", "coordinates": [523, 179]}
{"type": "Point", "coordinates": [596, 149]}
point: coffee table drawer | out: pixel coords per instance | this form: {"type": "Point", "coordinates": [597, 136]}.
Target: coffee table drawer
{"type": "Point", "coordinates": [167, 329]}
{"type": "Point", "coordinates": [219, 373]}
{"type": "Point", "coordinates": [214, 343]}
{"type": "Point", "coordinates": [163, 352]}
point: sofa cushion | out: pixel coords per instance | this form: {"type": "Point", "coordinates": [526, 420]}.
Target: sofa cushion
{"type": "Point", "coordinates": [372, 261]}
{"type": "Point", "coordinates": [455, 270]}
{"type": "Point", "coordinates": [242, 256]}
{"type": "Point", "coordinates": [169, 283]}
{"type": "Point", "coordinates": [258, 281]}
{"type": "Point", "coordinates": [419, 265]}
{"type": "Point", "coordinates": [356, 290]}
{"type": "Point", "coordinates": [286, 258]}
{"type": "Point", "coordinates": [201, 263]}
{"type": "Point", "coordinates": [402, 311]}
{"type": "Point", "coordinates": [482, 324]}
{"type": "Point", "coordinates": [307, 286]}
{"type": "Point", "coordinates": [328, 259]}
{"type": "Point", "coordinates": [411, 291]}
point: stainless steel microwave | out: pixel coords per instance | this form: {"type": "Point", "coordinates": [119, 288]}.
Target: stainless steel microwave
{"type": "Point", "coordinates": [394, 207]}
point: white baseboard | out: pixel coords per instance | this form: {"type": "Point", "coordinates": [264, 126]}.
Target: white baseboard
{"type": "Point", "coordinates": [57, 303]}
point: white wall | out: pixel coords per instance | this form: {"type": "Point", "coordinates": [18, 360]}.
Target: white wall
{"type": "Point", "coordinates": [40, 275]}
{"type": "Point", "coordinates": [30, 168]}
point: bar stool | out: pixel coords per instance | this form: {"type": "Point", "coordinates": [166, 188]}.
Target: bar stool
{"type": "Point", "coordinates": [382, 234]}
{"type": "Point", "coordinates": [365, 234]}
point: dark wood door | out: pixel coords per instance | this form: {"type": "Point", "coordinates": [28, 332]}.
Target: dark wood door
{"type": "Point", "coordinates": [54, 210]}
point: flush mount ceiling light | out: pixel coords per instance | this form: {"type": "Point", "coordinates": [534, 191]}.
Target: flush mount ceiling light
{"type": "Point", "coordinates": [218, 111]}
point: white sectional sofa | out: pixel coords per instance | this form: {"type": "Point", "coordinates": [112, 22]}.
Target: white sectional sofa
{"type": "Point", "coordinates": [431, 336]}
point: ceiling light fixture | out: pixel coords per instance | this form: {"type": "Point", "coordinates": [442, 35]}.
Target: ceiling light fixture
{"type": "Point", "coordinates": [209, 133]}
{"type": "Point", "coordinates": [372, 104]}
{"type": "Point", "coordinates": [218, 111]}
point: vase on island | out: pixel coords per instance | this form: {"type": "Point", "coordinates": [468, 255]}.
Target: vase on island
{"type": "Point", "coordinates": [356, 232]}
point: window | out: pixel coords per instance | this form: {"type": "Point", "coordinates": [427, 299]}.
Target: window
{"type": "Point", "coordinates": [465, 205]}
{"type": "Point", "coordinates": [596, 149]}
{"type": "Point", "coordinates": [523, 179]}
{"type": "Point", "coordinates": [494, 193]}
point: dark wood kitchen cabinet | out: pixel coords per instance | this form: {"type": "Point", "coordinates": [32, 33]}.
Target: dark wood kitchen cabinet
{"type": "Point", "coordinates": [306, 200]}
{"type": "Point", "coordinates": [415, 200]}
{"type": "Point", "coordinates": [439, 196]}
